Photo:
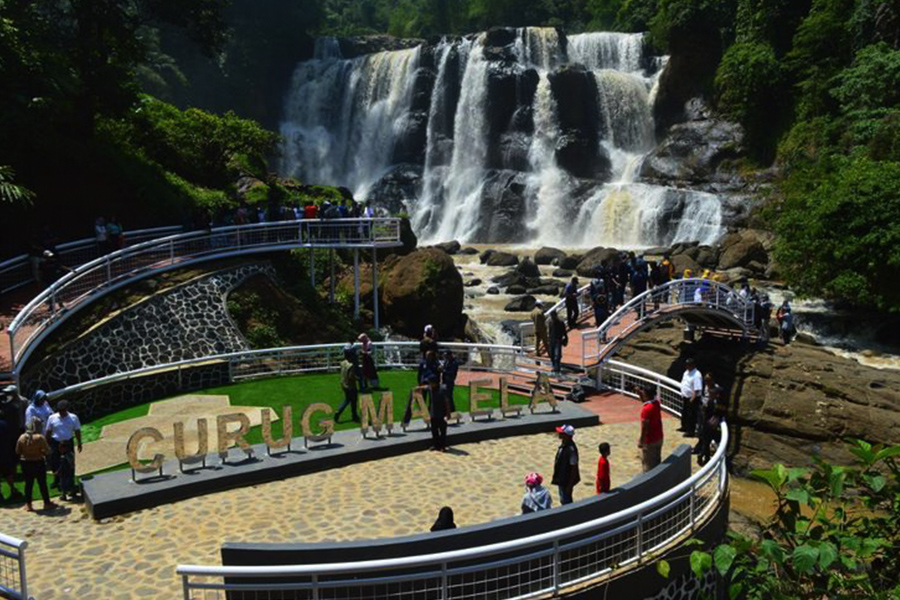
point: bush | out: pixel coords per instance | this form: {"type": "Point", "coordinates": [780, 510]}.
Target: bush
{"type": "Point", "coordinates": [834, 534]}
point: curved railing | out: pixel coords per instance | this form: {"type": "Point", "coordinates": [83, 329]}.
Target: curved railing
{"type": "Point", "coordinates": [17, 271]}
{"type": "Point", "coordinates": [114, 270]}
{"type": "Point", "coordinates": [13, 579]}
{"type": "Point", "coordinates": [550, 563]}
{"type": "Point", "coordinates": [662, 302]}
{"type": "Point", "coordinates": [296, 360]}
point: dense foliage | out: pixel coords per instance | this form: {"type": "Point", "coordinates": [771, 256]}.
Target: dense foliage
{"type": "Point", "coordinates": [835, 534]}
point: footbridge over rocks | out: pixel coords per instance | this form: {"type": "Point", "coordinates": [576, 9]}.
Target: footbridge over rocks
{"type": "Point", "coordinates": [703, 304]}
{"type": "Point", "coordinates": [95, 278]}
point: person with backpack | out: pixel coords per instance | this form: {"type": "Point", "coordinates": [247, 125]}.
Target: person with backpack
{"type": "Point", "coordinates": [558, 339]}
{"type": "Point", "coordinates": [348, 385]}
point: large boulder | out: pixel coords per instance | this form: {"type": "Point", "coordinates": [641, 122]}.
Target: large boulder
{"type": "Point", "coordinates": [521, 304]}
{"type": "Point", "coordinates": [502, 259]}
{"type": "Point", "coordinates": [397, 189]}
{"type": "Point", "coordinates": [546, 255]}
{"type": "Point", "coordinates": [421, 288]}
{"type": "Point", "coordinates": [787, 404]}
{"type": "Point", "coordinates": [450, 248]}
{"type": "Point", "coordinates": [528, 268]}
{"type": "Point", "coordinates": [742, 248]}
{"type": "Point", "coordinates": [587, 267]}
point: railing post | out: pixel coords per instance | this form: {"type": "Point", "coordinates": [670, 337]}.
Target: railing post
{"type": "Point", "coordinates": [12, 348]}
{"type": "Point", "coordinates": [108, 270]}
{"type": "Point", "coordinates": [640, 537]}
{"type": "Point", "coordinates": [171, 252]}
{"type": "Point", "coordinates": [23, 577]}
{"type": "Point", "coordinates": [622, 380]}
{"type": "Point", "coordinates": [186, 586]}
{"type": "Point", "coordinates": [375, 285]}
{"type": "Point", "coordinates": [691, 497]}
{"type": "Point", "coordinates": [356, 284]}
{"type": "Point", "coordinates": [315, 587]}
{"type": "Point", "coordinates": [556, 573]}
{"type": "Point", "coordinates": [444, 589]}
{"type": "Point", "coordinates": [238, 238]}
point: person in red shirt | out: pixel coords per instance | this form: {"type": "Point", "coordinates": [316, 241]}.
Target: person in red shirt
{"type": "Point", "coordinates": [602, 484]}
{"type": "Point", "coordinates": [651, 439]}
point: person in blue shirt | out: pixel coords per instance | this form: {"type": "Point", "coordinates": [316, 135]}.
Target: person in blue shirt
{"type": "Point", "coordinates": [449, 371]}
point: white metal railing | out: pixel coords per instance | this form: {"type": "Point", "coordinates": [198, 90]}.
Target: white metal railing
{"type": "Point", "coordinates": [321, 358]}
{"type": "Point", "coordinates": [18, 271]}
{"type": "Point", "coordinates": [13, 580]}
{"type": "Point", "coordinates": [657, 303]}
{"type": "Point", "coordinates": [119, 268]}
{"type": "Point", "coordinates": [544, 564]}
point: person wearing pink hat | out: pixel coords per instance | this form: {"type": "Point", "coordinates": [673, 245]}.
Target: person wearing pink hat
{"type": "Point", "coordinates": [537, 497]}
{"type": "Point", "coordinates": [565, 468]}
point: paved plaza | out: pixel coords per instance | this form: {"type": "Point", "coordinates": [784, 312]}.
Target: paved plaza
{"type": "Point", "coordinates": [70, 556]}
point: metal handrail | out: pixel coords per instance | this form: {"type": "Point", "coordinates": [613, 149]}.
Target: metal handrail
{"type": "Point", "coordinates": [118, 268]}
{"type": "Point", "coordinates": [13, 584]}
{"type": "Point", "coordinates": [438, 564]}
{"type": "Point", "coordinates": [386, 356]}
{"type": "Point", "coordinates": [69, 254]}
{"type": "Point", "coordinates": [678, 292]}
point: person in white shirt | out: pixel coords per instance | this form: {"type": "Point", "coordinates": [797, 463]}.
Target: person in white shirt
{"type": "Point", "coordinates": [40, 408]}
{"type": "Point", "coordinates": [691, 389]}
{"type": "Point", "coordinates": [64, 428]}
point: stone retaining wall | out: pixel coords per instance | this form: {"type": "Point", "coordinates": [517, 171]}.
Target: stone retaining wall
{"type": "Point", "coordinates": [185, 322]}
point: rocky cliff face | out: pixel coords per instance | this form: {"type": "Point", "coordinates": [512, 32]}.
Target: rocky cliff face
{"type": "Point", "coordinates": [787, 402]}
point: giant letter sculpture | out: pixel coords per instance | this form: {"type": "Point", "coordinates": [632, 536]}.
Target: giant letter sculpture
{"type": "Point", "coordinates": [542, 392]}
{"type": "Point", "coordinates": [134, 444]}
{"type": "Point", "coordinates": [202, 444]}
{"type": "Point", "coordinates": [226, 438]}
{"type": "Point", "coordinates": [327, 425]}
{"type": "Point", "coordinates": [475, 409]}
{"type": "Point", "coordinates": [287, 429]}
{"type": "Point", "coordinates": [384, 416]}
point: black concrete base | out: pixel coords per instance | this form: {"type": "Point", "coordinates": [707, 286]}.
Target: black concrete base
{"type": "Point", "coordinates": [115, 493]}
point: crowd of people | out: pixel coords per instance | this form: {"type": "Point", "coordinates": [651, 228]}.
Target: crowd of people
{"type": "Point", "coordinates": [39, 439]}
{"type": "Point", "coordinates": [272, 212]}
{"type": "Point", "coordinates": [704, 407]}
{"type": "Point", "coordinates": [627, 276]}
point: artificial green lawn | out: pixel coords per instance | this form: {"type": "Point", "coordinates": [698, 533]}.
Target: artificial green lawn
{"type": "Point", "coordinates": [298, 391]}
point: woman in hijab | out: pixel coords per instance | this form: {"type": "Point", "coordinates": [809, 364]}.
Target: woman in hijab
{"type": "Point", "coordinates": [537, 497]}
{"type": "Point", "coordinates": [444, 520]}
{"type": "Point", "coordinates": [369, 372]}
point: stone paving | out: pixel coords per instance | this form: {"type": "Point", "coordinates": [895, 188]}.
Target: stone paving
{"type": "Point", "coordinates": [70, 556]}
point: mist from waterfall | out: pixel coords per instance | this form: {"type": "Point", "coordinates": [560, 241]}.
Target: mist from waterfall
{"type": "Point", "coordinates": [346, 118]}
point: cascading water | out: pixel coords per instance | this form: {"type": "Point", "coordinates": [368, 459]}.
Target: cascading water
{"type": "Point", "coordinates": [343, 116]}
{"type": "Point", "coordinates": [510, 136]}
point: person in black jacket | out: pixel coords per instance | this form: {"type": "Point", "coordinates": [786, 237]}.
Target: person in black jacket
{"type": "Point", "coordinates": [556, 330]}
{"type": "Point", "coordinates": [565, 468]}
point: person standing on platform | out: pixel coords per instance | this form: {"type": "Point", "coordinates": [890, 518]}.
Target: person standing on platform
{"type": "Point", "coordinates": [570, 293]}
{"type": "Point", "coordinates": [537, 497]}
{"type": "Point", "coordinates": [449, 371]}
{"type": "Point", "coordinates": [691, 389]}
{"type": "Point", "coordinates": [429, 341]}
{"type": "Point", "coordinates": [33, 449]}
{"type": "Point", "coordinates": [369, 371]}
{"type": "Point", "coordinates": [64, 428]}
{"type": "Point", "coordinates": [540, 329]}
{"type": "Point", "coordinates": [558, 339]}
{"type": "Point", "coordinates": [651, 440]}
{"type": "Point", "coordinates": [440, 413]}
{"type": "Point", "coordinates": [348, 385]}
{"type": "Point", "coordinates": [565, 468]}
{"type": "Point", "coordinates": [601, 309]}
{"type": "Point", "coordinates": [38, 408]}
{"type": "Point", "coordinates": [602, 484]}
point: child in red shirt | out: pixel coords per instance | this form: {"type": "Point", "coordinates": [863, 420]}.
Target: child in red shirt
{"type": "Point", "coordinates": [602, 485]}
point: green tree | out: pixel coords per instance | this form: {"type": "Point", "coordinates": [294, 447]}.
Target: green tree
{"type": "Point", "coordinates": [839, 232]}
{"type": "Point", "coordinates": [750, 84]}
{"type": "Point", "coordinates": [10, 191]}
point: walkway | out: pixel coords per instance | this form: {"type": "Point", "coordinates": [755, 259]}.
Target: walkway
{"type": "Point", "coordinates": [134, 556]}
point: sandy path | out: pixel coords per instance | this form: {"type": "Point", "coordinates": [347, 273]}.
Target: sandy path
{"type": "Point", "coordinates": [134, 556]}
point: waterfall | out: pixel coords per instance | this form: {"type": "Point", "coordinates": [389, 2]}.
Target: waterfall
{"type": "Point", "coordinates": [351, 145]}
{"type": "Point", "coordinates": [521, 135]}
